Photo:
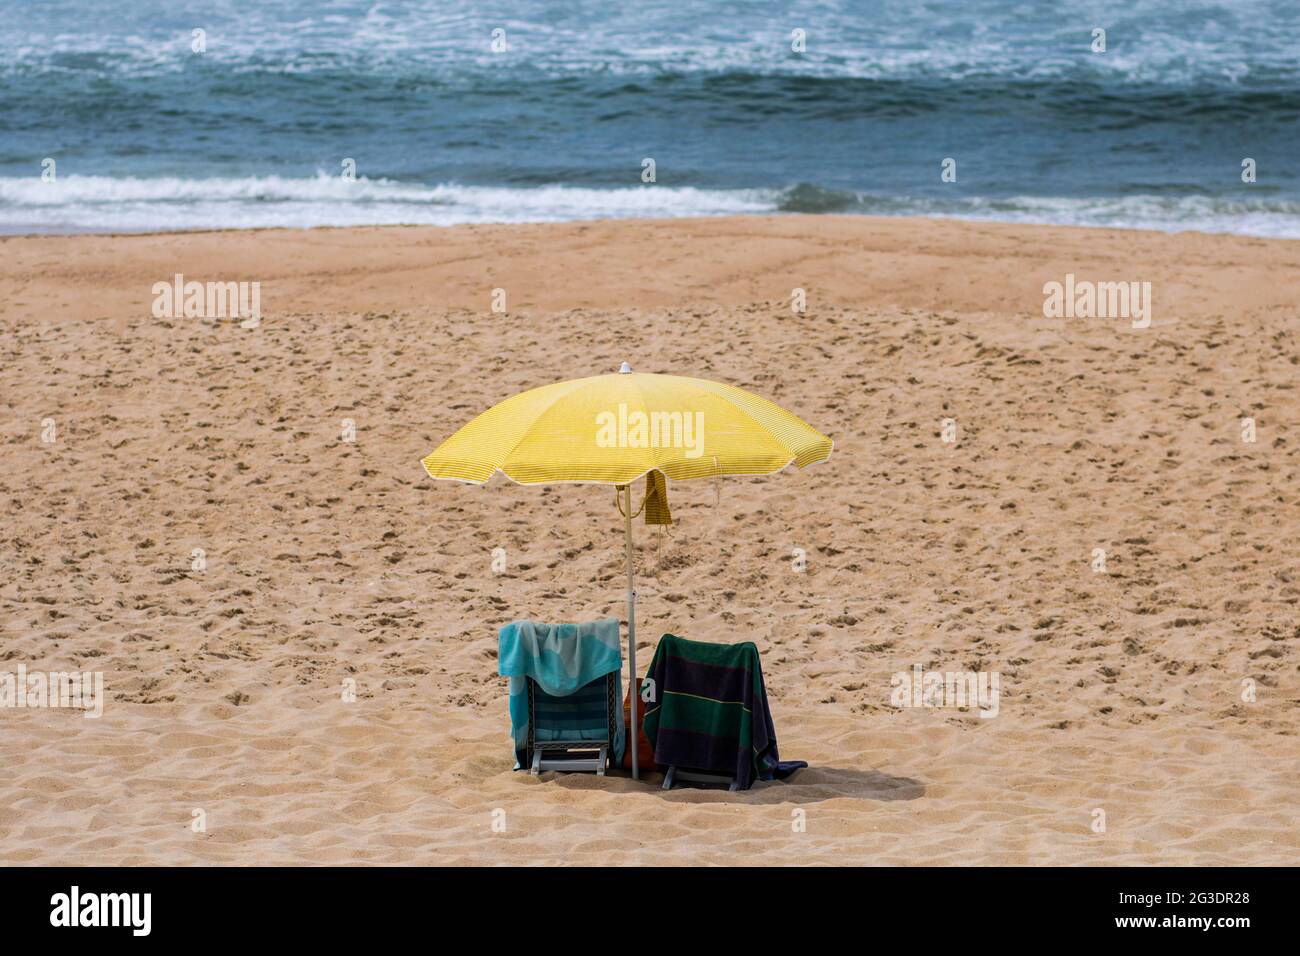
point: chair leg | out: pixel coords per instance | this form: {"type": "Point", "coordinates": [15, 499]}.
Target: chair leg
{"type": "Point", "coordinates": [536, 768]}
{"type": "Point", "coordinates": [668, 778]}
{"type": "Point", "coordinates": [604, 759]}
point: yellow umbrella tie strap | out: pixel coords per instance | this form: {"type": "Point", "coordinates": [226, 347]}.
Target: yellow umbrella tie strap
{"type": "Point", "coordinates": [656, 499]}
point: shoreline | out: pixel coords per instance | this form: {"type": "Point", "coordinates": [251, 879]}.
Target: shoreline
{"type": "Point", "coordinates": [1143, 230]}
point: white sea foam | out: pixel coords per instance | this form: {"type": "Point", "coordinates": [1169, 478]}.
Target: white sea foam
{"type": "Point", "coordinates": [107, 204]}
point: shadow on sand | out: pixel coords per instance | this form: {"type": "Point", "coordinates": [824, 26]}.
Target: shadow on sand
{"type": "Point", "coordinates": [813, 784]}
{"type": "Point", "coordinates": [810, 785]}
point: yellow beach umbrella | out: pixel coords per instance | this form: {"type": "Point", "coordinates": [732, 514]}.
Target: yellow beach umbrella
{"type": "Point", "coordinates": [614, 429]}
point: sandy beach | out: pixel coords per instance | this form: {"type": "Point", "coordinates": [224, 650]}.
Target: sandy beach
{"type": "Point", "coordinates": [194, 526]}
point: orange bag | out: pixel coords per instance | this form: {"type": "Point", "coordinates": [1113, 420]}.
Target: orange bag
{"type": "Point", "coordinates": [645, 756]}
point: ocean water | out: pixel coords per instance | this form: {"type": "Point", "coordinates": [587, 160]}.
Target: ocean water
{"type": "Point", "coordinates": [255, 129]}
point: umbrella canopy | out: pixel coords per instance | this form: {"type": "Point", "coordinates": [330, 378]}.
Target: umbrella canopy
{"type": "Point", "coordinates": [613, 429]}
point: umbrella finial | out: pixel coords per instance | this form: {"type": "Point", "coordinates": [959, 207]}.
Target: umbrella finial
{"type": "Point", "coordinates": [624, 369]}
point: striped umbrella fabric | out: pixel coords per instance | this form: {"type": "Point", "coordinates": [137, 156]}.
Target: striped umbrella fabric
{"type": "Point", "coordinates": [614, 429]}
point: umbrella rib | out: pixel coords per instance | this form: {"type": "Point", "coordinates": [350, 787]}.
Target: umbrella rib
{"type": "Point", "coordinates": [750, 415]}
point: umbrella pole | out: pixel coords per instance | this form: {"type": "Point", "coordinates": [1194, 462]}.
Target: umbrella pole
{"type": "Point", "coordinates": [632, 736]}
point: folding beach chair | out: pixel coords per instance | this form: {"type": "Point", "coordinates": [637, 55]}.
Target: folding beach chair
{"type": "Point", "coordinates": [710, 721]}
{"type": "Point", "coordinates": [565, 681]}
{"type": "Point", "coordinates": [676, 774]}
{"type": "Point", "coordinates": [573, 733]}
